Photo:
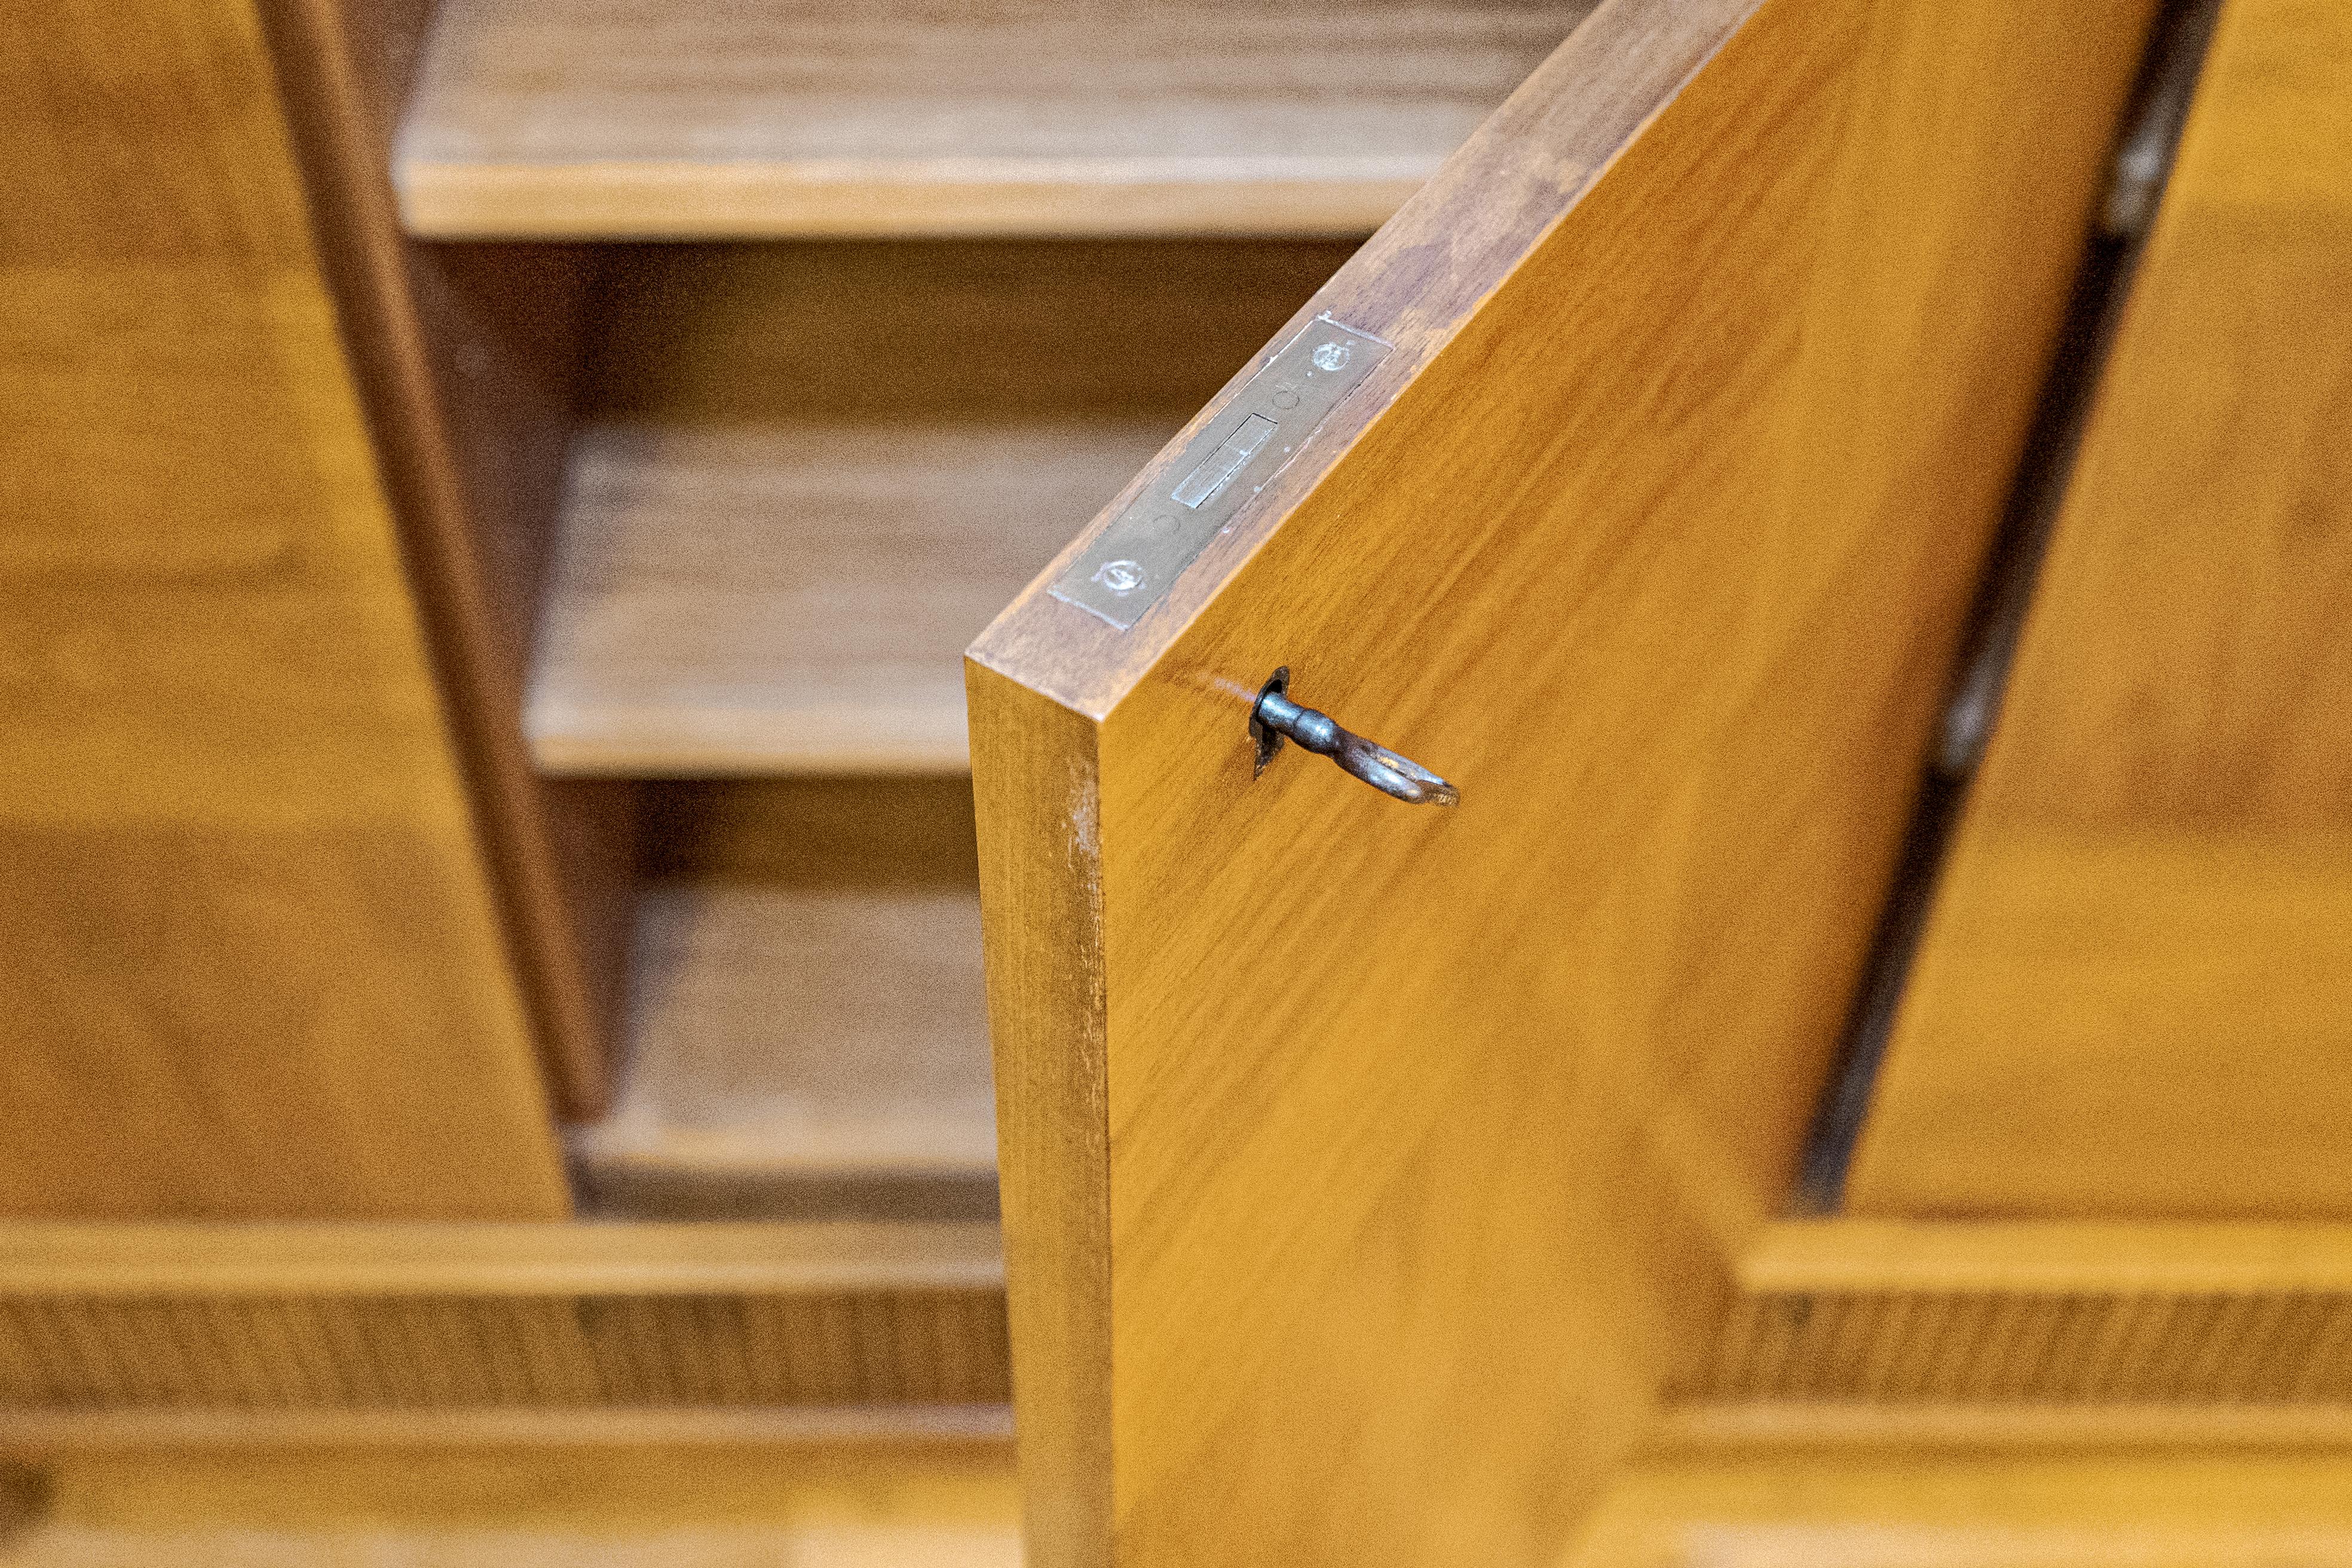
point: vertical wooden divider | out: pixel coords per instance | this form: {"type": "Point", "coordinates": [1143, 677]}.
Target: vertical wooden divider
{"type": "Point", "coordinates": [467, 360]}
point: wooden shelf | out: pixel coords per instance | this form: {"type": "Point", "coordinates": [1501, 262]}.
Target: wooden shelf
{"type": "Point", "coordinates": [628, 119]}
{"type": "Point", "coordinates": [801, 1047]}
{"type": "Point", "coordinates": [814, 473]}
{"type": "Point", "coordinates": [797, 599]}
{"type": "Point", "coordinates": [807, 1032]}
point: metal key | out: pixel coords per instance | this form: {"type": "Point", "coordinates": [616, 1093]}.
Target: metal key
{"type": "Point", "coordinates": [1276, 717]}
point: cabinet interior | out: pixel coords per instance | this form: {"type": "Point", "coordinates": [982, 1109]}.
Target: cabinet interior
{"type": "Point", "coordinates": [809, 474]}
{"type": "Point", "coordinates": [629, 118]}
{"type": "Point", "coordinates": [805, 475]}
{"type": "Point", "coordinates": [929, 290]}
{"type": "Point", "coordinates": [805, 1030]}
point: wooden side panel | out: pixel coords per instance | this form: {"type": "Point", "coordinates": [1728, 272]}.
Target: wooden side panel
{"type": "Point", "coordinates": [467, 361]}
{"type": "Point", "coordinates": [2133, 998]}
{"type": "Point", "coordinates": [1036, 793]}
{"type": "Point", "coordinates": [251, 964]}
{"type": "Point", "coordinates": [1430, 1134]}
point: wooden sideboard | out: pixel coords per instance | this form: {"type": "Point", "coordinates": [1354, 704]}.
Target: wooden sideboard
{"type": "Point", "coordinates": [513, 944]}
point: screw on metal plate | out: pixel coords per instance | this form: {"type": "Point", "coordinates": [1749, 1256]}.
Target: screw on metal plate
{"type": "Point", "coordinates": [1276, 717]}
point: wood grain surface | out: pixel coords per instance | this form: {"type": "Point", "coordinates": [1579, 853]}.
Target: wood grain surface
{"type": "Point", "coordinates": [139, 1261]}
{"type": "Point", "coordinates": [255, 1432]}
{"type": "Point", "coordinates": [1928, 1431]}
{"type": "Point", "coordinates": [794, 598]}
{"type": "Point", "coordinates": [806, 1029]}
{"type": "Point", "coordinates": [812, 474]}
{"type": "Point", "coordinates": [2132, 999]}
{"type": "Point", "coordinates": [1036, 788]}
{"type": "Point", "coordinates": [748, 1503]}
{"type": "Point", "coordinates": [2180, 1258]}
{"type": "Point", "coordinates": [2052, 1316]}
{"type": "Point", "coordinates": [253, 964]}
{"type": "Point", "coordinates": [466, 360]}
{"type": "Point", "coordinates": [627, 118]}
{"type": "Point", "coordinates": [1369, 1171]}
{"type": "Point", "coordinates": [1887, 1509]}
{"type": "Point", "coordinates": [807, 1032]}
{"type": "Point", "coordinates": [121, 1320]}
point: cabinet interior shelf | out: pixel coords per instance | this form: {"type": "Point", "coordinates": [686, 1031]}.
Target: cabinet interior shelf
{"type": "Point", "coordinates": [806, 1032]}
{"type": "Point", "coordinates": [802, 1051]}
{"type": "Point", "coordinates": [812, 473]}
{"type": "Point", "coordinates": [627, 118]}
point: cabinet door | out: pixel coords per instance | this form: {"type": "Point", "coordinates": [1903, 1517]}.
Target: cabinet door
{"type": "Point", "coordinates": [2132, 997]}
{"type": "Point", "coordinates": [1369, 1170]}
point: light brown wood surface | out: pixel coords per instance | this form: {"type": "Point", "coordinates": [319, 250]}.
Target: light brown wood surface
{"type": "Point", "coordinates": [134, 1261]}
{"type": "Point", "coordinates": [2133, 999]}
{"type": "Point", "coordinates": [1889, 1511]}
{"type": "Point", "coordinates": [1036, 791]}
{"type": "Point", "coordinates": [254, 1429]}
{"type": "Point", "coordinates": [252, 963]}
{"type": "Point", "coordinates": [814, 473]}
{"type": "Point", "coordinates": [644, 1505]}
{"type": "Point", "coordinates": [807, 1031]}
{"type": "Point", "coordinates": [1928, 1431]}
{"type": "Point", "coordinates": [1955, 1255]}
{"type": "Point", "coordinates": [1389, 1161]}
{"type": "Point", "coordinates": [630, 117]}
{"type": "Point", "coordinates": [115, 1320]}
{"type": "Point", "coordinates": [794, 600]}
{"type": "Point", "coordinates": [803, 1033]}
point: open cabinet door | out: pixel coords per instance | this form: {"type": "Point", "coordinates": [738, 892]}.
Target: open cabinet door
{"type": "Point", "coordinates": [1370, 1170]}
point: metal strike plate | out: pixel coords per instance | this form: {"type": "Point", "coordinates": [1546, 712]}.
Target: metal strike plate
{"type": "Point", "coordinates": [1137, 558]}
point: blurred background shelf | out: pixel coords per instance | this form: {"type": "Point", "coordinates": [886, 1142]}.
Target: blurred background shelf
{"type": "Point", "coordinates": [617, 118]}
{"type": "Point", "coordinates": [807, 1032]}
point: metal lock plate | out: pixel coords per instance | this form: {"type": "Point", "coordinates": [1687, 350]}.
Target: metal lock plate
{"type": "Point", "coordinates": [1137, 558]}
